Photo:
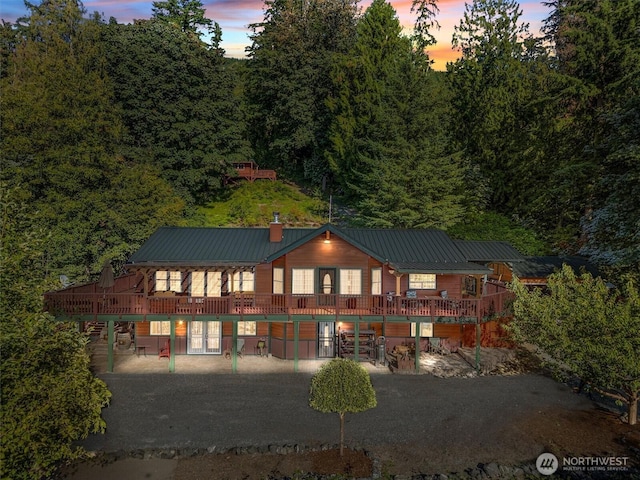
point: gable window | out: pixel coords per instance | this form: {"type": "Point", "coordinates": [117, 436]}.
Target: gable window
{"type": "Point", "coordinates": [350, 281]}
{"type": "Point", "coordinates": [168, 280]}
{"type": "Point", "coordinates": [278, 280]}
{"type": "Point", "coordinates": [302, 281]}
{"type": "Point", "coordinates": [422, 281]}
{"type": "Point", "coordinates": [160, 328]}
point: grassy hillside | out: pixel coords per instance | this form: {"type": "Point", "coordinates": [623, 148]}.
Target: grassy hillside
{"type": "Point", "coordinates": [252, 204]}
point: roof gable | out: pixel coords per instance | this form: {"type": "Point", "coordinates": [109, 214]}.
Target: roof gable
{"type": "Point", "coordinates": [406, 251]}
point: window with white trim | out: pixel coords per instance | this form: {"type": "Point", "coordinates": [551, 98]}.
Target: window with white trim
{"type": "Point", "coordinates": [422, 281]}
{"type": "Point", "coordinates": [168, 280]}
{"type": "Point", "coordinates": [302, 281]}
{"type": "Point", "coordinates": [376, 281]}
{"type": "Point", "coordinates": [426, 329]}
{"type": "Point", "coordinates": [197, 284]}
{"type": "Point", "coordinates": [247, 328]}
{"type": "Point", "coordinates": [243, 282]}
{"type": "Point", "coordinates": [278, 280]}
{"type": "Point", "coordinates": [160, 328]}
{"type": "Point", "coordinates": [350, 281]}
{"type": "Point", "coordinates": [214, 284]}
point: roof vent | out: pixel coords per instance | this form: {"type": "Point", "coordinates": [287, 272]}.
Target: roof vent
{"type": "Point", "coordinates": [276, 217]}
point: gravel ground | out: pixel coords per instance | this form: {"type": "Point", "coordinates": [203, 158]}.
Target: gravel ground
{"type": "Point", "coordinates": [421, 424]}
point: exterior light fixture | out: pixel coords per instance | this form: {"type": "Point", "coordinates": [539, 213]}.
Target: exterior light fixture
{"type": "Point", "coordinates": [327, 237]}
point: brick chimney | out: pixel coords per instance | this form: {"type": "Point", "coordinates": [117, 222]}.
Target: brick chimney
{"type": "Point", "coordinates": [275, 229]}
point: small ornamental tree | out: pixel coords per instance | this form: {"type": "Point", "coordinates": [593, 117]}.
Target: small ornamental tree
{"type": "Point", "coordinates": [342, 386]}
{"type": "Point", "coordinates": [592, 330]}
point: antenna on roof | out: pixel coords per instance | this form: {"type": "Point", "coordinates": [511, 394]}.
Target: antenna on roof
{"type": "Point", "coordinates": [330, 205]}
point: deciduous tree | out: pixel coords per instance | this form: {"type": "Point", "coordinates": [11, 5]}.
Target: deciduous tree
{"type": "Point", "coordinates": [342, 386]}
{"type": "Point", "coordinates": [50, 398]}
{"type": "Point", "coordinates": [588, 328]}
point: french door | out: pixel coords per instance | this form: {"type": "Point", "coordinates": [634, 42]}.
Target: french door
{"type": "Point", "coordinates": [204, 337]}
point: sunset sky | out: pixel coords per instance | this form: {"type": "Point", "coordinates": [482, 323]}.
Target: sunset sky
{"type": "Point", "coordinates": [234, 16]}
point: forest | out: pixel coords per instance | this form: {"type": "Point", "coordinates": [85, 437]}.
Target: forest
{"type": "Point", "coordinates": [111, 130]}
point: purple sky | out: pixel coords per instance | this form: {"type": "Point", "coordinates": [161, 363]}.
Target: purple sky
{"type": "Point", "coordinates": [234, 16]}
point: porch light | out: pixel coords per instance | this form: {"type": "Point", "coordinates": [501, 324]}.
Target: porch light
{"type": "Point", "coordinates": [327, 237]}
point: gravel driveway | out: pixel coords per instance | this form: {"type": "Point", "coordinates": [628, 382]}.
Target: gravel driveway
{"type": "Point", "coordinates": [418, 417]}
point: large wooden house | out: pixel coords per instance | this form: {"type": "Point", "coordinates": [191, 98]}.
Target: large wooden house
{"type": "Point", "coordinates": [297, 293]}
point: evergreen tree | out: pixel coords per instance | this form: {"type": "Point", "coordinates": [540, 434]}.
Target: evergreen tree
{"type": "Point", "coordinates": [492, 87]}
{"type": "Point", "coordinates": [179, 104]}
{"type": "Point", "coordinates": [598, 52]}
{"type": "Point", "coordinates": [60, 134]}
{"type": "Point", "coordinates": [189, 16]}
{"type": "Point", "coordinates": [389, 133]}
{"type": "Point", "coordinates": [292, 53]}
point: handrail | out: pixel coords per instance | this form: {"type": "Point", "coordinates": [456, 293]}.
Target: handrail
{"type": "Point", "coordinates": [101, 303]}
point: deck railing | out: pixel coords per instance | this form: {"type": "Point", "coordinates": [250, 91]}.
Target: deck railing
{"type": "Point", "coordinates": [95, 304]}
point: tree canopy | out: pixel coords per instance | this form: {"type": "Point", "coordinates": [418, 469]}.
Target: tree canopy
{"type": "Point", "coordinates": [587, 328]}
{"type": "Point", "coordinates": [50, 398]}
{"type": "Point", "coordinates": [342, 386]}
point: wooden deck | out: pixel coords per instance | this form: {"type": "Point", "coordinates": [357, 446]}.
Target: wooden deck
{"type": "Point", "coordinates": [93, 305]}
{"type": "Point", "coordinates": [252, 172]}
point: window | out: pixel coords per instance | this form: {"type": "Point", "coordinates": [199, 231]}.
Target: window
{"type": "Point", "coordinates": [376, 281]}
{"type": "Point", "coordinates": [422, 281]}
{"type": "Point", "coordinates": [214, 284]}
{"type": "Point", "coordinates": [168, 280]}
{"type": "Point", "coordinates": [243, 282]}
{"type": "Point", "coordinates": [247, 328]}
{"type": "Point", "coordinates": [161, 328]}
{"type": "Point", "coordinates": [426, 329]}
{"type": "Point", "coordinates": [350, 281]}
{"type": "Point", "coordinates": [302, 281]}
{"type": "Point", "coordinates": [197, 284]}
{"type": "Point", "coordinates": [278, 280]}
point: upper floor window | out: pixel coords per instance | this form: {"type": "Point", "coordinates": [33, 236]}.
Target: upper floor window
{"type": "Point", "coordinates": [302, 281]}
{"type": "Point", "coordinates": [168, 280]}
{"type": "Point", "coordinates": [376, 281]}
{"type": "Point", "coordinates": [243, 282]}
{"type": "Point", "coordinates": [350, 281]}
{"type": "Point", "coordinates": [278, 280]}
{"type": "Point", "coordinates": [422, 281]}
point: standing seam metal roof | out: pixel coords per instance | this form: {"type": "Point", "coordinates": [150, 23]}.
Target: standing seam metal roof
{"type": "Point", "coordinates": [405, 250]}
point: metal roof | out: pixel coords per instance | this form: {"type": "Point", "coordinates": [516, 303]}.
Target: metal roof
{"type": "Point", "coordinates": [542, 267]}
{"type": "Point", "coordinates": [488, 251]}
{"type": "Point", "coordinates": [211, 246]}
{"type": "Point", "coordinates": [407, 251]}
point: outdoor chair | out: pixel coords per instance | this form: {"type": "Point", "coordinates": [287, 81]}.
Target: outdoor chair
{"type": "Point", "coordinates": [165, 352]}
{"type": "Point", "coordinates": [261, 347]}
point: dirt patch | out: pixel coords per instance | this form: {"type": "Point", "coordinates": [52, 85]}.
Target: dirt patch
{"type": "Point", "coordinates": [354, 464]}
{"type": "Point", "coordinates": [564, 433]}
